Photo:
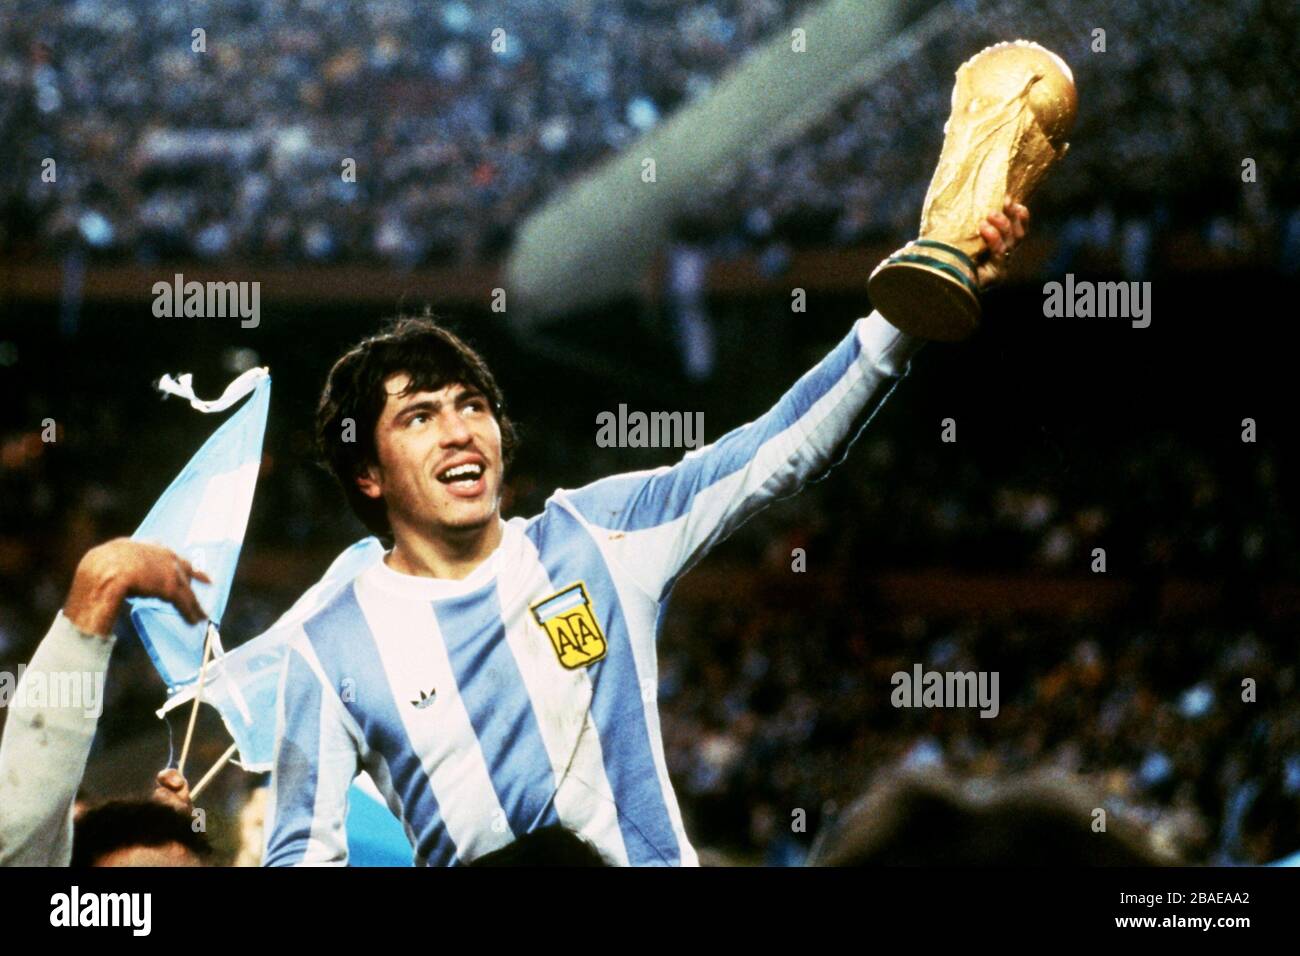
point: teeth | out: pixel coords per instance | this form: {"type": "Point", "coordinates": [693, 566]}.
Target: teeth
{"type": "Point", "coordinates": [462, 471]}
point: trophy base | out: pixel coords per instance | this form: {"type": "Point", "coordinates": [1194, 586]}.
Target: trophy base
{"type": "Point", "coordinates": [927, 289]}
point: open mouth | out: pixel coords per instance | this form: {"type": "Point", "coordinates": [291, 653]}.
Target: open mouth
{"type": "Point", "coordinates": [464, 479]}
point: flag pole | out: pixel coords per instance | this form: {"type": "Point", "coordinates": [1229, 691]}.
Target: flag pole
{"type": "Point", "coordinates": [213, 771]}
{"type": "Point", "coordinates": [198, 695]}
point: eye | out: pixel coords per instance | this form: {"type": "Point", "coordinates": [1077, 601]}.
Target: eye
{"type": "Point", "coordinates": [475, 405]}
{"type": "Point", "coordinates": [417, 418]}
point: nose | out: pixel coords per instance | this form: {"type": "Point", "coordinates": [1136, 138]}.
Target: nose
{"type": "Point", "coordinates": [453, 431]}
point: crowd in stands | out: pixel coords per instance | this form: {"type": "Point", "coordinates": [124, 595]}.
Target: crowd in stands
{"type": "Point", "coordinates": [237, 152]}
{"type": "Point", "coordinates": [775, 711]}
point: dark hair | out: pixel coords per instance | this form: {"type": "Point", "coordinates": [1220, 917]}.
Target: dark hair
{"type": "Point", "coordinates": [125, 823]}
{"type": "Point", "coordinates": [932, 819]}
{"type": "Point", "coordinates": [552, 845]}
{"type": "Point", "coordinates": [433, 358]}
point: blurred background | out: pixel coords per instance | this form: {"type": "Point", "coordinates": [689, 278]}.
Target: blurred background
{"type": "Point", "coordinates": [1072, 434]}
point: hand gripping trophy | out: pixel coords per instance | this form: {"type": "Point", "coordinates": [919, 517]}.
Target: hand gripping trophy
{"type": "Point", "coordinates": [1012, 107]}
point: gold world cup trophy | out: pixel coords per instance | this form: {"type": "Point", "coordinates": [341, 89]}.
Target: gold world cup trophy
{"type": "Point", "coordinates": [1012, 107]}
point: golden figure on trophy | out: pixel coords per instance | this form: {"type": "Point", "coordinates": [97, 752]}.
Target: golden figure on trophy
{"type": "Point", "coordinates": [1012, 107]}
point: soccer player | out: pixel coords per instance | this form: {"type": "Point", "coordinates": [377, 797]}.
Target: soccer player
{"type": "Point", "coordinates": [494, 677]}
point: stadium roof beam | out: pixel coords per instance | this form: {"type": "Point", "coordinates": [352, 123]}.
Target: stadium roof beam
{"type": "Point", "coordinates": [593, 241]}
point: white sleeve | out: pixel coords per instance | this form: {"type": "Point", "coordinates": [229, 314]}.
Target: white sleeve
{"type": "Point", "coordinates": [316, 760]}
{"type": "Point", "coordinates": [46, 744]}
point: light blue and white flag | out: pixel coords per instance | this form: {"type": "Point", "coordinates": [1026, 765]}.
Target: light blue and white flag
{"type": "Point", "coordinates": [243, 683]}
{"type": "Point", "coordinates": [202, 516]}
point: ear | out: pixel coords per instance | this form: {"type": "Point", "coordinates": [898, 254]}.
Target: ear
{"type": "Point", "coordinates": [368, 481]}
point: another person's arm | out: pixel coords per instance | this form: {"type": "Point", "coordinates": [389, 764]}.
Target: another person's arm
{"type": "Point", "coordinates": [46, 743]}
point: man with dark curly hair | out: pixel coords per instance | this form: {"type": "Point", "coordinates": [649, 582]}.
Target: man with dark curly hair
{"type": "Point", "coordinates": [497, 677]}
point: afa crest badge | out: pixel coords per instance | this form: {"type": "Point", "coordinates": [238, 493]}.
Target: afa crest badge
{"type": "Point", "coordinates": [570, 623]}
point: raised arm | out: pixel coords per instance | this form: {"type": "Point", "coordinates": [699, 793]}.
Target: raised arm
{"type": "Point", "coordinates": [658, 523]}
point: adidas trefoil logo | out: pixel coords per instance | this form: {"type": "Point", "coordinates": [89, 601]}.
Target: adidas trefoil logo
{"type": "Point", "coordinates": [425, 699]}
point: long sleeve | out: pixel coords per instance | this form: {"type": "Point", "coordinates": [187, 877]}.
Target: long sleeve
{"type": "Point", "coordinates": [316, 760]}
{"type": "Point", "coordinates": [660, 522]}
{"type": "Point", "coordinates": [52, 719]}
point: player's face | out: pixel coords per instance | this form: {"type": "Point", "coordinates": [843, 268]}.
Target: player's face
{"type": "Point", "coordinates": [439, 453]}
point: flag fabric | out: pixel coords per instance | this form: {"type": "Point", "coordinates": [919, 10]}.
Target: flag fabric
{"type": "Point", "coordinates": [375, 836]}
{"type": "Point", "coordinates": [202, 516]}
{"type": "Point", "coordinates": [242, 684]}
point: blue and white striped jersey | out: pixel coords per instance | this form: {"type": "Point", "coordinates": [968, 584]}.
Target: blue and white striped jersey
{"type": "Point", "coordinates": [525, 694]}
